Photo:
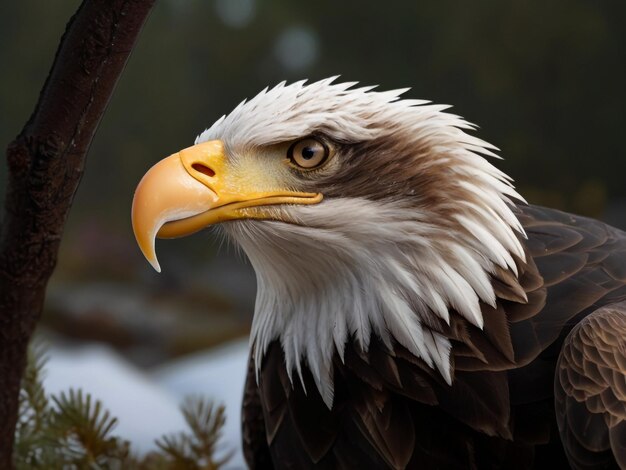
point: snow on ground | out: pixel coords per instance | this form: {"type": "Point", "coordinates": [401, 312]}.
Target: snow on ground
{"type": "Point", "coordinates": [147, 403]}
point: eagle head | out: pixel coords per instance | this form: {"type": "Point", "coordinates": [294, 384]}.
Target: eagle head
{"type": "Point", "coordinates": [362, 214]}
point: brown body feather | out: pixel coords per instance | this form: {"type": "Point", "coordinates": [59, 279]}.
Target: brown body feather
{"type": "Point", "coordinates": [393, 411]}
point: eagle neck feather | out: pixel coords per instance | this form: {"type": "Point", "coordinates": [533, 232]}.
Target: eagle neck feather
{"type": "Point", "coordinates": [352, 268]}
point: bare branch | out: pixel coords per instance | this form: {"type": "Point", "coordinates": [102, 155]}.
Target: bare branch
{"type": "Point", "coordinates": [46, 162]}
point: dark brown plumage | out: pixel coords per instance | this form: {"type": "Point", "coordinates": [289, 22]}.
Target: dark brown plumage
{"type": "Point", "coordinates": [393, 411]}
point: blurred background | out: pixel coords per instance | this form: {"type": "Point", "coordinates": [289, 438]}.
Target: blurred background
{"type": "Point", "coordinates": [544, 80]}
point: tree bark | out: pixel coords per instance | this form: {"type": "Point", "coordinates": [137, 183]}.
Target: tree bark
{"type": "Point", "coordinates": [45, 163]}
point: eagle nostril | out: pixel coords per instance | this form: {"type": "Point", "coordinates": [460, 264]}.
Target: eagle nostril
{"type": "Point", "coordinates": [205, 170]}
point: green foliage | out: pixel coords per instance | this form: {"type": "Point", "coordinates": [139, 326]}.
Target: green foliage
{"type": "Point", "coordinates": [196, 451]}
{"type": "Point", "coordinates": [74, 431]}
{"type": "Point", "coordinates": [31, 444]}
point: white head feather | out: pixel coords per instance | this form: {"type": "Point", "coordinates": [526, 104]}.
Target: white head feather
{"type": "Point", "coordinates": [353, 267]}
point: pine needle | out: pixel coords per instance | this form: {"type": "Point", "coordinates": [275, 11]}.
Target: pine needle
{"type": "Point", "coordinates": [197, 450]}
{"type": "Point", "coordinates": [74, 431]}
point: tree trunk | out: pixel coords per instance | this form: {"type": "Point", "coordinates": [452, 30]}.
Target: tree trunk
{"type": "Point", "coordinates": [45, 163]}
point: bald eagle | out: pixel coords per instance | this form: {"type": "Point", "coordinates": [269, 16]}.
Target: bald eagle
{"type": "Point", "coordinates": [413, 311]}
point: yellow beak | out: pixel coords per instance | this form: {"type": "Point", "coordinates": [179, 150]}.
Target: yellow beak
{"type": "Point", "coordinates": [195, 188]}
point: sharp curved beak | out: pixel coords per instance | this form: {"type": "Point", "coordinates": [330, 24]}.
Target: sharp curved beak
{"type": "Point", "coordinates": [195, 188]}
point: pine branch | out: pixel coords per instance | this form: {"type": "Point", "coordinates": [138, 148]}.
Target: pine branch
{"type": "Point", "coordinates": [197, 450]}
{"type": "Point", "coordinates": [177, 449]}
{"type": "Point", "coordinates": [72, 430]}
{"type": "Point", "coordinates": [33, 402]}
{"type": "Point", "coordinates": [84, 428]}
{"type": "Point", "coordinates": [34, 411]}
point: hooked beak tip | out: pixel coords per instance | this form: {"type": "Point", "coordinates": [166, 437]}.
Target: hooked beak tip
{"type": "Point", "coordinates": [155, 265]}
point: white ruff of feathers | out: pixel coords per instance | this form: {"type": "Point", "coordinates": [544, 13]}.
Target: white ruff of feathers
{"type": "Point", "coordinates": [354, 267]}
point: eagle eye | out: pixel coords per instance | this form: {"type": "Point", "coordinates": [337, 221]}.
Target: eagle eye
{"type": "Point", "coordinates": [308, 153]}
